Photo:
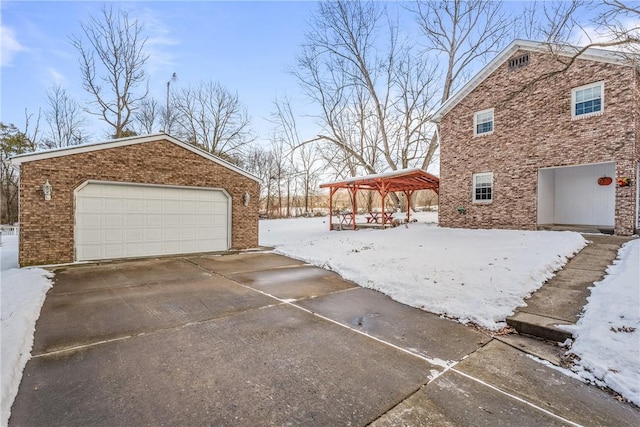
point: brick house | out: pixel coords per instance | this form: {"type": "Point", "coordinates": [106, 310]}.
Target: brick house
{"type": "Point", "coordinates": [132, 197]}
{"type": "Point", "coordinates": [524, 148]}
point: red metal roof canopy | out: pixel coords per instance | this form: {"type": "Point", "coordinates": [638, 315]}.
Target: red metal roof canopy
{"type": "Point", "coordinates": [404, 180]}
{"type": "Point", "coordinates": [399, 180]}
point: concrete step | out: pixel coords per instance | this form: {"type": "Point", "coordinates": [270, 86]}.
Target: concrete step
{"type": "Point", "coordinates": [539, 326]}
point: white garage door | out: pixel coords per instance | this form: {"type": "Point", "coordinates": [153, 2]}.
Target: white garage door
{"type": "Point", "coordinates": [115, 220]}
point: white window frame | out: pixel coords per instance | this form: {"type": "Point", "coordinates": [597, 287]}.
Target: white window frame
{"type": "Point", "coordinates": [574, 92]}
{"type": "Point", "coordinates": [475, 122]}
{"type": "Point", "coordinates": [473, 188]}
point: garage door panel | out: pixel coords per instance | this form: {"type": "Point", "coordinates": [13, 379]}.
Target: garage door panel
{"type": "Point", "coordinates": [113, 220]}
{"type": "Point", "coordinates": [153, 234]}
{"type": "Point", "coordinates": [92, 251]}
{"type": "Point", "coordinates": [90, 204]}
{"type": "Point", "coordinates": [113, 250]}
{"type": "Point", "coordinates": [134, 205]}
{"type": "Point", "coordinates": [132, 235]}
{"type": "Point", "coordinates": [189, 220]}
{"type": "Point", "coordinates": [151, 206]}
{"type": "Point", "coordinates": [122, 220]}
{"type": "Point", "coordinates": [90, 220]}
{"type": "Point", "coordinates": [112, 236]}
{"type": "Point", "coordinates": [171, 233]}
{"type": "Point", "coordinates": [189, 233]}
{"type": "Point", "coordinates": [171, 206]}
{"type": "Point", "coordinates": [133, 248]}
{"type": "Point", "coordinates": [90, 236]}
{"type": "Point", "coordinates": [134, 220]}
{"type": "Point", "coordinates": [113, 205]}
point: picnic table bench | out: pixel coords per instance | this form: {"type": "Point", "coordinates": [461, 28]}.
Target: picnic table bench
{"type": "Point", "coordinates": [379, 217]}
{"type": "Point", "coordinates": [346, 218]}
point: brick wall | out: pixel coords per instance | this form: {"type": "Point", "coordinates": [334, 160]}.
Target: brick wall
{"type": "Point", "coordinates": [46, 228]}
{"type": "Point", "coordinates": [533, 129]}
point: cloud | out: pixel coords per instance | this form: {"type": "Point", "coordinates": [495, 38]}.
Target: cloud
{"type": "Point", "coordinates": [159, 39]}
{"type": "Point", "coordinates": [10, 46]}
{"type": "Point", "coordinates": [591, 34]}
{"type": "Point", "coordinates": [56, 76]}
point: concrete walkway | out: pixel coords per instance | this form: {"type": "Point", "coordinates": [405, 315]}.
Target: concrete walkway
{"type": "Point", "coordinates": [561, 300]}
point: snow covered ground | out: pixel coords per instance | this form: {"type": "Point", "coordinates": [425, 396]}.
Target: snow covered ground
{"type": "Point", "coordinates": [481, 276]}
{"type": "Point", "coordinates": [477, 276]}
{"type": "Point", "coordinates": [22, 292]}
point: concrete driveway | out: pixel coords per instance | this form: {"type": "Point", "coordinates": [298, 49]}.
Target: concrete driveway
{"type": "Point", "coordinates": [260, 339]}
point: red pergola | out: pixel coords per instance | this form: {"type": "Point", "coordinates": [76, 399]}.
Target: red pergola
{"type": "Point", "coordinates": [403, 180]}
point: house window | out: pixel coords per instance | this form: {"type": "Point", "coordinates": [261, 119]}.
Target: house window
{"type": "Point", "coordinates": [483, 187]}
{"type": "Point", "coordinates": [483, 122]}
{"type": "Point", "coordinates": [587, 100]}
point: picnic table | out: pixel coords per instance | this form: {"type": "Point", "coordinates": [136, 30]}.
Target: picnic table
{"type": "Point", "coordinates": [346, 218]}
{"type": "Point", "coordinates": [379, 217]}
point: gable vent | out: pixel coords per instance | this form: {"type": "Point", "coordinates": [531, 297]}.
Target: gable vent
{"type": "Point", "coordinates": [519, 62]}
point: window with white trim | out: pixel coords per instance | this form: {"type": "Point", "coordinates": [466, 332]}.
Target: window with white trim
{"type": "Point", "coordinates": [483, 187]}
{"type": "Point", "coordinates": [587, 100]}
{"type": "Point", "coordinates": [483, 122]}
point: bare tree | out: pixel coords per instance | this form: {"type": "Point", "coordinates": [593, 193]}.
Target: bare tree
{"type": "Point", "coordinates": [65, 119]}
{"type": "Point", "coordinates": [148, 116]}
{"type": "Point", "coordinates": [356, 68]}
{"type": "Point", "coordinates": [551, 22]}
{"type": "Point", "coordinates": [304, 158]}
{"type": "Point", "coordinates": [259, 161]}
{"type": "Point", "coordinates": [12, 142]}
{"type": "Point", "coordinates": [464, 33]}
{"type": "Point", "coordinates": [211, 117]}
{"type": "Point", "coordinates": [112, 61]}
{"type": "Point", "coordinates": [620, 23]}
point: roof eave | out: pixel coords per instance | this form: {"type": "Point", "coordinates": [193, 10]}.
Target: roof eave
{"type": "Point", "coordinates": [121, 142]}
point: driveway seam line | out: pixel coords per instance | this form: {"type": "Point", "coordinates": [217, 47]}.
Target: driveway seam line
{"type": "Point", "coordinates": [446, 367]}
{"type": "Point", "coordinates": [513, 396]}
{"type": "Point", "coordinates": [159, 330]}
{"type": "Point", "coordinates": [435, 362]}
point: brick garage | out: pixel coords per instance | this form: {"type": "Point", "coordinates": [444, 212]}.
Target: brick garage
{"type": "Point", "coordinates": [535, 139]}
{"type": "Point", "coordinates": [153, 164]}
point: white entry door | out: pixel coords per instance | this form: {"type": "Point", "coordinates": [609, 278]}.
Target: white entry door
{"type": "Point", "coordinates": [116, 220]}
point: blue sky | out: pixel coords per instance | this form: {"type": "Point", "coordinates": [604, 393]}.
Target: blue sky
{"type": "Point", "coordinates": [246, 46]}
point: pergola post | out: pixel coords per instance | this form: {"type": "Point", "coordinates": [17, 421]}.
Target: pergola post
{"type": "Point", "coordinates": [383, 194]}
{"type": "Point", "coordinates": [332, 190]}
{"type": "Point", "coordinates": [409, 193]}
{"type": "Point", "coordinates": [353, 190]}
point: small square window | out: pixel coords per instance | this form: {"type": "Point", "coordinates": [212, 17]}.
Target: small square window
{"type": "Point", "coordinates": [483, 122]}
{"type": "Point", "coordinates": [483, 187]}
{"type": "Point", "coordinates": [587, 100]}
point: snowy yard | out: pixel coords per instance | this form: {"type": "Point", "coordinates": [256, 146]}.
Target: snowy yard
{"type": "Point", "coordinates": [22, 292]}
{"type": "Point", "coordinates": [477, 276]}
{"type": "Point", "coordinates": [481, 276]}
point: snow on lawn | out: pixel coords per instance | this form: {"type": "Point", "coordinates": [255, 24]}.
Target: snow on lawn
{"type": "Point", "coordinates": [22, 292]}
{"type": "Point", "coordinates": [478, 276]}
{"type": "Point", "coordinates": [607, 336]}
